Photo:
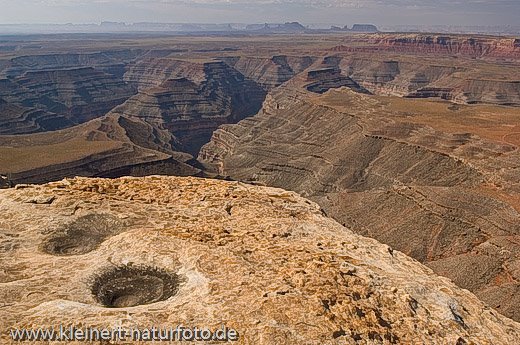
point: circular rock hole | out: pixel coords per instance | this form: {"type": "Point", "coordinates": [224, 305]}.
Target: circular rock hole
{"type": "Point", "coordinates": [82, 235]}
{"type": "Point", "coordinates": [129, 286]}
{"type": "Point", "coordinates": [66, 245]}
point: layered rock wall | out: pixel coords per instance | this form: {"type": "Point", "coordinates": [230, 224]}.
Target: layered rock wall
{"type": "Point", "coordinates": [193, 109]}
{"type": "Point", "coordinates": [270, 72]}
{"type": "Point", "coordinates": [473, 47]}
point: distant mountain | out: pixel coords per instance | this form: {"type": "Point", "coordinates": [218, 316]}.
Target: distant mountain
{"type": "Point", "coordinates": [356, 28]}
{"type": "Point", "coordinates": [364, 28]}
{"type": "Point", "coordinates": [274, 28]}
{"type": "Point", "coordinates": [145, 27]}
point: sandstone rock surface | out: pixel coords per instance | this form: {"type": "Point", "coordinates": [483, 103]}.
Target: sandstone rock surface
{"type": "Point", "coordinates": [263, 261]}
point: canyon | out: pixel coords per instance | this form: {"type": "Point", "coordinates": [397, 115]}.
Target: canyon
{"type": "Point", "coordinates": [409, 139]}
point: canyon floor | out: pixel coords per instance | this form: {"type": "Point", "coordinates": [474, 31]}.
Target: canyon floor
{"type": "Point", "coordinates": [410, 139]}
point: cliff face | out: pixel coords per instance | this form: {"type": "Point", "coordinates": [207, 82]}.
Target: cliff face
{"type": "Point", "coordinates": [270, 72]}
{"type": "Point", "coordinates": [430, 78]}
{"type": "Point", "coordinates": [163, 118]}
{"type": "Point", "coordinates": [52, 99]}
{"type": "Point", "coordinates": [208, 253]}
{"type": "Point", "coordinates": [432, 185]}
{"type": "Point", "coordinates": [46, 92]}
{"type": "Point", "coordinates": [192, 109]}
{"type": "Point", "coordinates": [461, 69]}
{"type": "Point", "coordinates": [152, 71]}
{"type": "Point", "coordinates": [109, 61]}
{"type": "Point", "coordinates": [109, 146]}
{"type": "Point", "coordinates": [18, 119]}
{"type": "Point", "coordinates": [85, 93]}
{"type": "Point", "coordinates": [324, 79]}
{"type": "Point", "coordinates": [473, 47]}
{"type": "Point", "coordinates": [490, 91]}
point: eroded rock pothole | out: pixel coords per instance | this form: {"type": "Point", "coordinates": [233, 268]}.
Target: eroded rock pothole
{"type": "Point", "coordinates": [82, 235]}
{"type": "Point", "coordinates": [130, 286]}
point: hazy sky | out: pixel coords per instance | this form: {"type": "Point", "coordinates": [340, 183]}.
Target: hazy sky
{"type": "Point", "coordinates": [381, 12]}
